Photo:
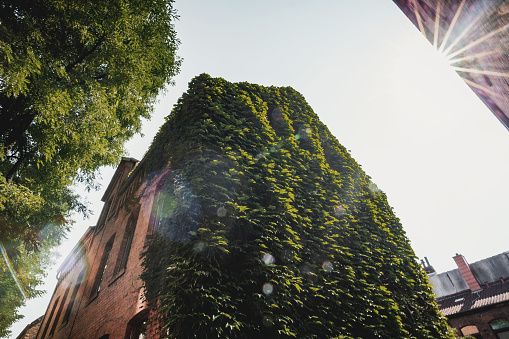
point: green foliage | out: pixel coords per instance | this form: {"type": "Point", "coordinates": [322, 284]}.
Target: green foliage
{"type": "Point", "coordinates": [29, 269]}
{"type": "Point", "coordinates": [76, 78]}
{"type": "Point", "coordinates": [270, 229]}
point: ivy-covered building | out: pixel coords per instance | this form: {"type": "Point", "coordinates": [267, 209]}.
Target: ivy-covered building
{"type": "Point", "coordinates": [245, 219]}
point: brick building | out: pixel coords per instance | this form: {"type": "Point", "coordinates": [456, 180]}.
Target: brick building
{"type": "Point", "coordinates": [31, 329]}
{"type": "Point", "coordinates": [100, 277]}
{"type": "Point", "coordinates": [475, 297]}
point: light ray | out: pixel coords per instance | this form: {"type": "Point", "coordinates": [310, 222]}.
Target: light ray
{"type": "Point", "coordinates": [6, 257]}
{"type": "Point", "coordinates": [481, 87]}
{"type": "Point", "coordinates": [478, 71]}
{"type": "Point", "coordinates": [451, 26]}
{"type": "Point", "coordinates": [478, 41]}
{"type": "Point", "coordinates": [462, 34]}
{"type": "Point", "coordinates": [419, 19]}
{"type": "Point", "coordinates": [437, 24]}
{"type": "Point", "coordinates": [473, 56]}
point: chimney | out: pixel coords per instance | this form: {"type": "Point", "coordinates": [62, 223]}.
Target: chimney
{"type": "Point", "coordinates": [466, 272]}
{"type": "Point", "coordinates": [427, 267]}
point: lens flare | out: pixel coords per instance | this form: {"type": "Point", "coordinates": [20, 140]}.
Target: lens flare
{"type": "Point", "coordinates": [327, 266]}
{"type": "Point", "coordinates": [268, 259]}
{"type": "Point", "coordinates": [267, 289]}
{"type": "Point", "coordinates": [472, 36]}
{"type": "Point", "coordinates": [11, 269]}
{"type": "Point", "coordinates": [221, 212]}
{"type": "Point", "coordinates": [339, 211]}
{"type": "Point", "coordinates": [267, 321]}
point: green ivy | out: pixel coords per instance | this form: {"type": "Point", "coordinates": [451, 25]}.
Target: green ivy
{"type": "Point", "coordinates": [270, 229]}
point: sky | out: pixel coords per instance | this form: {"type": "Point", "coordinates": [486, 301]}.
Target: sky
{"type": "Point", "coordinates": [415, 127]}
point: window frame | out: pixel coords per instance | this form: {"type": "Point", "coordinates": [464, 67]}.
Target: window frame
{"type": "Point", "coordinates": [75, 290]}
{"type": "Point", "coordinates": [499, 330]}
{"type": "Point", "coordinates": [53, 308]}
{"type": "Point", "coordinates": [101, 270]}
{"type": "Point", "coordinates": [127, 241]}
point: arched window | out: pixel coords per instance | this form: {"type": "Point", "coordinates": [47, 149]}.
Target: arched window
{"type": "Point", "coordinates": [73, 297]}
{"type": "Point", "coordinates": [125, 246]}
{"type": "Point", "coordinates": [102, 268]}
{"type": "Point", "coordinates": [471, 330]}
{"type": "Point", "coordinates": [500, 327]}
{"type": "Point", "coordinates": [137, 326]}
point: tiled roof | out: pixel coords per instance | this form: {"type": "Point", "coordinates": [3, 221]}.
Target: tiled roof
{"type": "Point", "coordinates": [465, 301]}
{"type": "Point", "coordinates": [487, 270]}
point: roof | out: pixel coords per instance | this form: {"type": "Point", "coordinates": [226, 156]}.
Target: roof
{"type": "Point", "coordinates": [488, 270]}
{"type": "Point", "coordinates": [71, 260]}
{"type": "Point", "coordinates": [30, 331]}
{"type": "Point", "coordinates": [491, 269]}
{"type": "Point", "coordinates": [454, 296]}
{"type": "Point", "coordinates": [466, 301]}
{"type": "Point", "coordinates": [448, 283]}
{"type": "Point", "coordinates": [118, 172]}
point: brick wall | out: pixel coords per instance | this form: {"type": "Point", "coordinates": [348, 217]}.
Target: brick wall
{"type": "Point", "coordinates": [30, 330]}
{"type": "Point", "coordinates": [114, 308]}
{"type": "Point", "coordinates": [481, 319]}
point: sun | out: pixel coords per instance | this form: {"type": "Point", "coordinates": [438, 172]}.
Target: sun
{"type": "Point", "coordinates": [472, 38]}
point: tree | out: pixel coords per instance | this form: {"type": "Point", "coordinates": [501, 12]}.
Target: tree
{"type": "Point", "coordinates": [268, 228]}
{"type": "Point", "coordinates": [29, 270]}
{"type": "Point", "coordinates": [76, 77]}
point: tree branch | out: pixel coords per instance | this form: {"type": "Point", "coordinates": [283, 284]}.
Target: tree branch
{"type": "Point", "coordinates": [15, 168]}
{"type": "Point", "coordinates": [86, 54]}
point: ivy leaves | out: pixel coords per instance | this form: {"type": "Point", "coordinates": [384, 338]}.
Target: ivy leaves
{"type": "Point", "coordinates": [292, 238]}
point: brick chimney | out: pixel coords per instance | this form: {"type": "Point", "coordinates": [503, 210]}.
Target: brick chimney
{"type": "Point", "coordinates": [466, 272]}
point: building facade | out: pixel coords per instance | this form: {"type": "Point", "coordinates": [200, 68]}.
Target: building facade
{"type": "Point", "coordinates": [100, 278]}
{"type": "Point", "coordinates": [30, 331]}
{"type": "Point", "coordinates": [475, 297]}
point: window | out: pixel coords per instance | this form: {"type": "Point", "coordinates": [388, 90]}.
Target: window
{"type": "Point", "coordinates": [173, 200]}
{"type": "Point", "coordinates": [501, 328]}
{"type": "Point", "coordinates": [139, 331]}
{"type": "Point", "coordinates": [102, 267]}
{"type": "Point", "coordinates": [55, 322]}
{"type": "Point", "coordinates": [50, 317]}
{"type": "Point", "coordinates": [137, 326]}
{"type": "Point", "coordinates": [127, 241]}
{"type": "Point", "coordinates": [155, 216]}
{"type": "Point", "coordinates": [73, 297]}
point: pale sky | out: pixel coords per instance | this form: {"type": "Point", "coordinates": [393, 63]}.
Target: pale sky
{"type": "Point", "coordinates": [422, 135]}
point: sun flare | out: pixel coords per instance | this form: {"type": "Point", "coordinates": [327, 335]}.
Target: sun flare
{"type": "Point", "coordinates": [471, 36]}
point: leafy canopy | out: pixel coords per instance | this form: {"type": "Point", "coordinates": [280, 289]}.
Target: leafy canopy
{"type": "Point", "coordinates": [269, 229]}
{"type": "Point", "coordinates": [76, 77]}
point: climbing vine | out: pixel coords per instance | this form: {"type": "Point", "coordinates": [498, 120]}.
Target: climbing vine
{"type": "Point", "coordinates": [268, 228]}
